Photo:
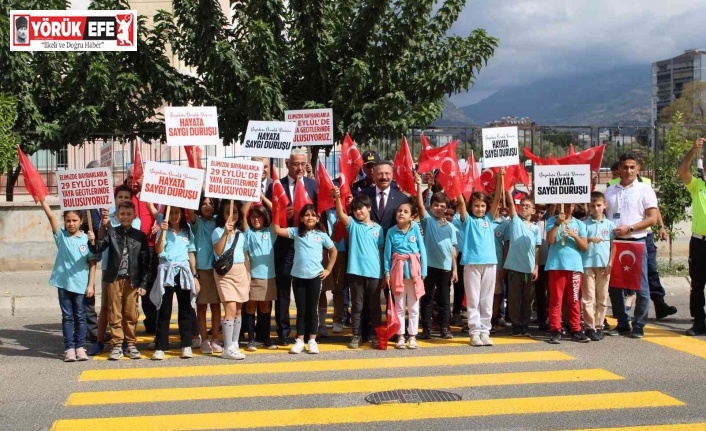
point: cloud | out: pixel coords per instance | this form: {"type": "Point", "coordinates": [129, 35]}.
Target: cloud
{"type": "Point", "coordinates": [545, 38]}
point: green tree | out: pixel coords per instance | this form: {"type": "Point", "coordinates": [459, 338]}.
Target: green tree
{"type": "Point", "coordinates": [691, 105]}
{"type": "Point", "coordinates": [383, 66]}
{"type": "Point", "coordinates": [674, 199]}
{"type": "Point", "coordinates": [8, 138]}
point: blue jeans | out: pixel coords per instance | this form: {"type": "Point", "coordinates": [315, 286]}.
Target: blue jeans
{"type": "Point", "coordinates": [656, 289]}
{"type": "Point", "coordinates": [642, 302]}
{"type": "Point", "coordinates": [73, 319]}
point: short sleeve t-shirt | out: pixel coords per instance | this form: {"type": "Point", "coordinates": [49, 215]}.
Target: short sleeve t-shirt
{"type": "Point", "coordinates": [500, 227]}
{"type": "Point", "coordinates": [203, 229]}
{"type": "Point", "coordinates": [626, 206]}
{"type": "Point", "coordinates": [524, 239]}
{"type": "Point", "coordinates": [566, 257]}
{"type": "Point", "coordinates": [177, 246]}
{"type": "Point", "coordinates": [479, 241]}
{"type": "Point", "coordinates": [308, 252]}
{"type": "Point", "coordinates": [364, 249]}
{"type": "Point", "coordinates": [70, 270]}
{"type": "Point", "coordinates": [260, 246]}
{"type": "Point", "coordinates": [697, 188]}
{"type": "Point", "coordinates": [240, 247]}
{"type": "Point", "coordinates": [439, 238]}
{"type": "Point", "coordinates": [598, 254]}
{"type": "Point", "coordinates": [401, 242]}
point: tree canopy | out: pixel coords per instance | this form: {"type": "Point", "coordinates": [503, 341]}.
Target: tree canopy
{"type": "Point", "coordinates": [691, 105]}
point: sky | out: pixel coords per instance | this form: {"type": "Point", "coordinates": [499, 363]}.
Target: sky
{"type": "Point", "coordinates": [546, 38]}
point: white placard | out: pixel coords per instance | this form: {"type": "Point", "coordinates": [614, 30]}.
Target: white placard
{"type": "Point", "coordinates": [273, 139]}
{"type": "Point", "coordinates": [500, 147]}
{"type": "Point", "coordinates": [107, 155]}
{"type": "Point", "coordinates": [314, 126]}
{"type": "Point", "coordinates": [173, 185]}
{"type": "Point", "coordinates": [85, 189]}
{"type": "Point", "coordinates": [233, 179]}
{"type": "Point", "coordinates": [562, 184]}
{"type": "Point", "coordinates": [191, 125]}
{"type": "Point", "coordinates": [73, 30]}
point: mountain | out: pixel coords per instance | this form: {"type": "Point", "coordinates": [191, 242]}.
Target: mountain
{"type": "Point", "coordinates": [452, 116]}
{"type": "Point", "coordinates": [602, 98]}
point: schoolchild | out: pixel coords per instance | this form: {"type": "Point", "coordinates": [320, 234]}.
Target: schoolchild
{"type": "Point", "coordinates": [405, 263]}
{"type": "Point", "coordinates": [308, 272]}
{"type": "Point", "coordinates": [73, 276]}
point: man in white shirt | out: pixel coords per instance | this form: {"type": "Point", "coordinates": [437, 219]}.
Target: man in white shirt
{"type": "Point", "coordinates": [632, 206]}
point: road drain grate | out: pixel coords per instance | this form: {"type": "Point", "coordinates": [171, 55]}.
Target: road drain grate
{"type": "Point", "coordinates": [411, 396]}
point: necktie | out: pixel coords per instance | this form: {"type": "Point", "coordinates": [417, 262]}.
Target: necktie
{"type": "Point", "coordinates": [381, 206]}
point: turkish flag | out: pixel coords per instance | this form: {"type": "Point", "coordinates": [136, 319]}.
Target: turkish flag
{"type": "Point", "coordinates": [592, 156]}
{"type": "Point", "coordinates": [193, 154]}
{"type": "Point", "coordinates": [137, 171]}
{"type": "Point", "coordinates": [626, 267]}
{"type": "Point", "coordinates": [571, 149]}
{"type": "Point", "coordinates": [488, 179]}
{"type": "Point", "coordinates": [280, 201]}
{"type": "Point", "coordinates": [34, 183]}
{"type": "Point", "coordinates": [449, 176]}
{"type": "Point", "coordinates": [350, 164]}
{"type": "Point", "coordinates": [471, 179]}
{"type": "Point", "coordinates": [430, 158]}
{"type": "Point", "coordinates": [403, 172]}
{"type": "Point", "coordinates": [301, 198]}
{"type": "Point", "coordinates": [325, 201]}
{"type": "Point", "coordinates": [390, 328]}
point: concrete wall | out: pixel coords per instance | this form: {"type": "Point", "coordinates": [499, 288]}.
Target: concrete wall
{"type": "Point", "coordinates": [26, 242]}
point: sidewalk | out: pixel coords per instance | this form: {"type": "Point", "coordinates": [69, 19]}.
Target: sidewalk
{"type": "Point", "coordinates": [26, 292]}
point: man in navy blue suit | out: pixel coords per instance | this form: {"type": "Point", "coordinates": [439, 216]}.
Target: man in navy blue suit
{"type": "Point", "coordinates": [385, 198]}
{"type": "Point", "coordinates": [284, 247]}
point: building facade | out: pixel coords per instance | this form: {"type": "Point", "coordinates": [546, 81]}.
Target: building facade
{"type": "Point", "coordinates": [670, 76]}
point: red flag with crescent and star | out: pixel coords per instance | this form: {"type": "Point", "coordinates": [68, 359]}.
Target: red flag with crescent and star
{"type": "Point", "coordinates": [471, 179]}
{"type": "Point", "coordinates": [450, 177]}
{"type": "Point", "coordinates": [430, 158]}
{"type": "Point", "coordinates": [592, 156]}
{"type": "Point", "coordinates": [403, 172]}
{"type": "Point", "coordinates": [626, 267]}
{"type": "Point", "coordinates": [280, 201]}
{"type": "Point", "coordinates": [301, 198]}
{"type": "Point", "coordinates": [325, 200]}
{"type": "Point", "coordinates": [350, 164]}
{"type": "Point", "coordinates": [34, 183]}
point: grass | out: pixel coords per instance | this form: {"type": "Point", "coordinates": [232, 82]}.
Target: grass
{"type": "Point", "coordinates": [679, 267]}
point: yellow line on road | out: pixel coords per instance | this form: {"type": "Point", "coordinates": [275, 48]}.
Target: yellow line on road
{"type": "Point", "coordinates": [336, 387]}
{"type": "Point", "coordinates": [322, 365]}
{"type": "Point", "coordinates": [673, 340]}
{"type": "Point", "coordinates": [372, 413]}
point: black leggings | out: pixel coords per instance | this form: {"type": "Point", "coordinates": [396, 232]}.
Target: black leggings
{"type": "Point", "coordinates": [306, 297]}
{"type": "Point", "coordinates": [437, 280]}
{"type": "Point", "coordinates": [459, 290]}
{"type": "Point", "coordinates": [164, 316]}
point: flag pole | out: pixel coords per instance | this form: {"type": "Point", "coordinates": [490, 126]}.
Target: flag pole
{"type": "Point", "coordinates": [563, 236]}
{"type": "Point", "coordinates": [90, 224]}
{"type": "Point", "coordinates": [166, 217]}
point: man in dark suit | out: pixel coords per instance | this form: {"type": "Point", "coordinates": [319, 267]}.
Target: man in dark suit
{"type": "Point", "coordinates": [284, 247]}
{"type": "Point", "coordinates": [266, 180]}
{"type": "Point", "coordinates": [385, 199]}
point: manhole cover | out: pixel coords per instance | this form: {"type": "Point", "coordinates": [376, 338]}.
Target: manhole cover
{"type": "Point", "coordinates": [405, 396]}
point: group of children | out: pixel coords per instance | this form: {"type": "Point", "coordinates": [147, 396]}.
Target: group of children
{"type": "Point", "coordinates": [417, 259]}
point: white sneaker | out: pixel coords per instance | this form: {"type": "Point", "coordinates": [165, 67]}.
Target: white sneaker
{"type": "Point", "coordinates": [313, 347]}
{"type": "Point", "coordinates": [323, 331]}
{"type": "Point", "coordinates": [233, 353]}
{"type": "Point", "coordinates": [337, 327]}
{"type": "Point", "coordinates": [206, 348]}
{"type": "Point", "coordinates": [186, 353]}
{"type": "Point", "coordinates": [158, 355]}
{"type": "Point", "coordinates": [400, 344]}
{"type": "Point", "coordinates": [412, 343]}
{"type": "Point", "coordinates": [485, 338]}
{"type": "Point", "coordinates": [216, 347]}
{"type": "Point", "coordinates": [298, 347]}
{"type": "Point", "coordinates": [476, 341]}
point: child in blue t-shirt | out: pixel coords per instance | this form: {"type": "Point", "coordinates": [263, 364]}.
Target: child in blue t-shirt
{"type": "Point", "coordinates": [308, 272]}
{"type": "Point", "coordinates": [260, 240]}
{"type": "Point", "coordinates": [596, 263]}
{"type": "Point", "coordinates": [567, 239]}
{"type": "Point", "coordinates": [405, 261]}
{"type": "Point", "coordinates": [364, 268]}
{"type": "Point", "coordinates": [440, 239]}
{"type": "Point", "coordinates": [521, 264]}
{"type": "Point", "coordinates": [73, 276]}
{"type": "Point", "coordinates": [480, 261]}
{"type": "Point", "coordinates": [500, 226]}
{"type": "Point", "coordinates": [176, 275]}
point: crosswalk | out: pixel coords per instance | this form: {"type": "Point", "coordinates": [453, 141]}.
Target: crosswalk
{"type": "Point", "coordinates": [324, 391]}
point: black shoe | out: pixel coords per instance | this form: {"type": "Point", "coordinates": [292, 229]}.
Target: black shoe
{"type": "Point", "coordinates": [662, 309]}
{"type": "Point", "coordinates": [699, 328]}
{"type": "Point", "coordinates": [525, 331]}
{"type": "Point", "coordinates": [446, 334]}
{"type": "Point", "coordinates": [425, 335]}
{"type": "Point", "coordinates": [637, 334]}
{"type": "Point", "coordinates": [544, 327]}
{"type": "Point", "coordinates": [501, 322]}
{"type": "Point", "coordinates": [606, 325]}
{"type": "Point", "coordinates": [600, 334]}
{"type": "Point", "coordinates": [580, 337]}
{"type": "Point", "coordinates": [516, 332]}
{"type": "Point", "coordinates": [618, 331]}
{"type": "Point", "coordinates": [493, 329]}
{"type": "Point", "coordinates": [555, 337]}
{"type": "Point", "coordinates": [281, 341]}
{"type": "Point", "coordinates": [592, 335]}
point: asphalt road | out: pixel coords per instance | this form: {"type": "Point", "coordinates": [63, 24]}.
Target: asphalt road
{"type": "Point", "coordinates": [618, 382]}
